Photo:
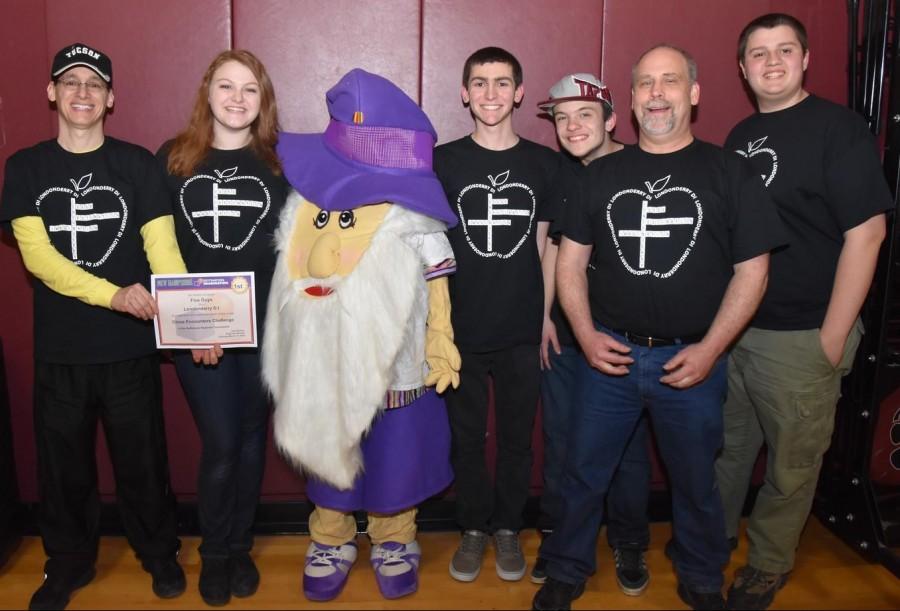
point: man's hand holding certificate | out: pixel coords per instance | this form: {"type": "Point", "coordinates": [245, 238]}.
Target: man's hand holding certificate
{"type": "Point", "coordinates": [202, 310]}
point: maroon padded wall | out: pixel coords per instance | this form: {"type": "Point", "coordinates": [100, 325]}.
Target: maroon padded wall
{"type": "Point", "coordinates": [307, 45]}
{"type": "Point", "coordinates": [23, 121]}
{"type": "Point", "coordinates": [161, 49]}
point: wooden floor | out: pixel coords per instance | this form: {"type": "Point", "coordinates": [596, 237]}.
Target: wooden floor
{"type": "Point", "coordinates": [829, 575]}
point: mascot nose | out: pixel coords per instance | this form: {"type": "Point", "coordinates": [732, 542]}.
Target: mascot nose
{"type": "Point", "coordinates": [324, 257]}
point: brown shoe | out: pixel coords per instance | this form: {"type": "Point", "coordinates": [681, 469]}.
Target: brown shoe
{"type": "Point", "coordinates": [754, 589]}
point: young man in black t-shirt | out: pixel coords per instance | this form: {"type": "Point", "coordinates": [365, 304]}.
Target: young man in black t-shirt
{"type": "Point", "coordinates": [91, 218]}
{"type": "Point", "coordinates": [821, 167]}
{"type": "Point", "coordinates": [502, 188]}
{"type": "Point", "coordinates": [663, 261]}
{"type": "Point", "coordinates": [581, 107]}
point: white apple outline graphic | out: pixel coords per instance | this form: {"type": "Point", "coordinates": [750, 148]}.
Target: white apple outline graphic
{"type": "Point", "coordinates": [755, 148]}
{"type": "Point", "coordinates": [221, 178]}
{"type": "Point", "coordinates": [655, 191]}
{"type": "Point", "coordinates": [498, 185]}
{"type": "Point", "coordinates": [81, 189]}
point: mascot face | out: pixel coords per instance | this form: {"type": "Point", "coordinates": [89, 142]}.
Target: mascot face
{"type": "Point", "coordinates": [326, 246]}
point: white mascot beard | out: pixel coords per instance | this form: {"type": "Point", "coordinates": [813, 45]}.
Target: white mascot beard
{"type": "Point", "coordinates": [328, 360]}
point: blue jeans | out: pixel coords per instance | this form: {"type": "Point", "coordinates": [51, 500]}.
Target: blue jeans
{"type": "Point", "coordinates": [231, 411]}
{"type": "Point", "coordinates": [626, 503]}
{"type": "Point", "coordinates": [688, 426]}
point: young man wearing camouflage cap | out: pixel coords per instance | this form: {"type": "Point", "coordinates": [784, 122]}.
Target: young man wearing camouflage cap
{"type": "Point", "coordinates": [581, 108]}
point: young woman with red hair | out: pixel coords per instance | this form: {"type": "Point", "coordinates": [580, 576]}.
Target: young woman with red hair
{"type": "Point", "coordinates": [227, 190]}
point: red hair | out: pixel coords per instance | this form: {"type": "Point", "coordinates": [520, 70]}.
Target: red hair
{"type": "Point", "coordinates": [192, 145]}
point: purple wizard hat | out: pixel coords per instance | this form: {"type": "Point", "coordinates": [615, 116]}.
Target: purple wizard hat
{"type": "Point", "coordinates": [376, 148]}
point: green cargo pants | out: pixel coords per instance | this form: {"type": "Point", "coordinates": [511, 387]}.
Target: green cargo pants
{"type": "Point", "coordinates": [782, 391]}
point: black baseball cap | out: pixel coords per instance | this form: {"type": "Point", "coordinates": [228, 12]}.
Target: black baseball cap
{"type": "Point", "coordinates": [79, 54]}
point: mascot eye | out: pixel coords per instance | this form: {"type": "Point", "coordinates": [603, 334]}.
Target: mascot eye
{"type": "Point", "coordinates": [347, 219]}
{"type": "Point", "coordinates": [321, 219]}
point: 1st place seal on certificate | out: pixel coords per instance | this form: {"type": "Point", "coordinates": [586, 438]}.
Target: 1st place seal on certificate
{"type": "Point", "coordinates": [199, 310]}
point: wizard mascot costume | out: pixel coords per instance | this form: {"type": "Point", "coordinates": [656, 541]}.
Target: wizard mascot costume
{"type": "Point", "coordinates": [359, 341]}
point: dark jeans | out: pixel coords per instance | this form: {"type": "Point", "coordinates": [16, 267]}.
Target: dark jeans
{"type": "Point", "coordinates": [126, 397]}
{"type": "Point", "coordinates": [626, 504]}
{"type": "Point", "coordinates": [481, 504]}
{"type": "Point", "coordinates": [688, 426]}
{"type": "Point", "coordinates": [231, 411]}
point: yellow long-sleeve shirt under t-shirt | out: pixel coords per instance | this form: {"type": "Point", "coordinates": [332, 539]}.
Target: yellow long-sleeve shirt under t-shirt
{"type": "Point", "coordinates": [62, 275]}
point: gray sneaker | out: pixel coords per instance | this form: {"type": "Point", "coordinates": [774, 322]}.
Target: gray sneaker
{"type": "Point", "coordinates": [510, 559]}
{"type": "Point", "coordinates": [466, 562]}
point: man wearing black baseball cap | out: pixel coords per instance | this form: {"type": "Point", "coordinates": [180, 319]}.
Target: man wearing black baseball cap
{"type": "Point", "coordinates": [91, 220]}
{"type": "Point", "coordinates": [81, 55]}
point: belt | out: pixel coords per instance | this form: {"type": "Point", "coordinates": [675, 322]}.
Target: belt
{"type": "Point", "coordinates": [658, 342]}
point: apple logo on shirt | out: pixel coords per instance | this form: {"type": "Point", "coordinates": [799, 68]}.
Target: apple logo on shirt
{"type": "Point", "coordinates": [496, 218]}
{"type": "Point", "coordinates": [85, 222]}
{"type": "Point", "coordinates": [654, 230]}
{"type": "Point", "coordinates": [768, 158]}
{"type": "Point", "coordinates": [224, 211]}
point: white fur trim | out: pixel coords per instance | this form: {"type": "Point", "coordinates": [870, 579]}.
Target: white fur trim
{"type": "Point", "coordinates": [326, 399]}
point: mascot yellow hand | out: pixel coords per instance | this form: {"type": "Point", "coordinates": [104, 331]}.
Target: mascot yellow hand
{"type": "Point", "coordinates": [440, 351]}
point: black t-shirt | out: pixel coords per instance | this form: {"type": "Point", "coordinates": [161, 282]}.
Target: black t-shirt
{"type": "Point", "coordinates": [226, 214]}
{"type": "Point", "coordinates": [93, 206]}
{"type": "Point", "coordinates": [820, 164]}
{"type": "Point", "coordinates": [667, 230]}
{"type": "Point", "coordinates": [499, 196]}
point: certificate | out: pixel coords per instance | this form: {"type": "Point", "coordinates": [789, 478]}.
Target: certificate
{"type": "Point", "coordinates": [199, 310]}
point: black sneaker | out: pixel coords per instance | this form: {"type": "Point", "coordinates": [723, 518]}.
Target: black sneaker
{"type": "Point", "coordinates": [168, 576]}
{"type": "Point", "coordinates": [58, 587]}
{"type": "Point", "coordinates": [244, 575]}
{"type": "Point", "coordinates": [631, 570]}
{"type": "Point", "coordinates": [754, 589]}
{"type": "Point", "coordinates": [701, 600]}
{"type": "Point", "coordinates": [539, 571]}
{"type": "Point", "coordinates": [555, 594]}
{"type": "Point", "coordinates": [215, 586]}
